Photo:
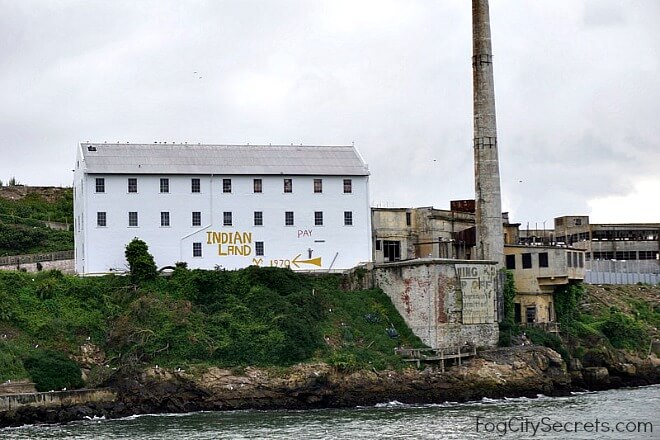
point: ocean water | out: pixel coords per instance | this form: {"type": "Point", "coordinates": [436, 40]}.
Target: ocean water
{"type": "Point", "coordinates": [616, 414]}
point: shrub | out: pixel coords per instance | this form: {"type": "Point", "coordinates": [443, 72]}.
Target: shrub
{"type": "Point", "coordinates": [52, 370]}
{"type": "Point", "coordinates": [623, 331]}
{"type": "Point", "coordinates": [140, 261]}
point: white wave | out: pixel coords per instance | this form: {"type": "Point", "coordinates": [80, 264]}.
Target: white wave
{"type": "Point", "coordinates": [392, 404]}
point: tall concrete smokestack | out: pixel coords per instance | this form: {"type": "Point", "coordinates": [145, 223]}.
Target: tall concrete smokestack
{"type": "Point", "coordinates": [490, 233]}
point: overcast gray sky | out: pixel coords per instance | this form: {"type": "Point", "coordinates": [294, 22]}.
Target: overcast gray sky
{"type": "Point", "coordinates": [576, 82]}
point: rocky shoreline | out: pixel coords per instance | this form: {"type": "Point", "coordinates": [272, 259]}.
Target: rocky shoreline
{"type": "Point", "coordinates": [506, 372]}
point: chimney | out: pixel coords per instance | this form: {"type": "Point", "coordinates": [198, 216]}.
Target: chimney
{"type": "Point", "coordinates": [489, 230]}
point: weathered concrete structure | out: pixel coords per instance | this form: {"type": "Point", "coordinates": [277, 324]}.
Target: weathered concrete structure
{"type": "Point", "coordinates": [489, 233]}
{"type": "Point", "coordinates": [537, 271]}
{"type": "Point", "coordinates": [426, 232]}
{"type": "Point", "coordinates": [54, 399]}
{"type": "Point", "coordinates": [446, 303]}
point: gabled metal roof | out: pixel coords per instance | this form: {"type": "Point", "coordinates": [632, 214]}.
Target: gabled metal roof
{"type": "Point", "coordinates": [163, 158]}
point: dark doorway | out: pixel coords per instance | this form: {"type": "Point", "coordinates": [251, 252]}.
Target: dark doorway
{"type": "Point", "coordinates": [517, 314]}
{"type": "Point", "coordinates": [531, 314]}
{"type": "Point", "coordinates": [392, 250]}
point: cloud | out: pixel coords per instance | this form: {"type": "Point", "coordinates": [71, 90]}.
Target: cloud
{"type": "Point", "coordinates": [576, 89]}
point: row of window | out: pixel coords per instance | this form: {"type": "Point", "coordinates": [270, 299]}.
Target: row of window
{"type": "Point", "coordinates": [227, 218]}
{"type": "Point", "coordinates": [258, 249]}
{"type": "Point", "coordinates": [573, 259]}
{"type": "Point", "coordinates": [195, 185]}
{"type": "Point", "coordinates": [624, 255]}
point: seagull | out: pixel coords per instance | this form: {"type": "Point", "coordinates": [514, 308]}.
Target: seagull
{"type": "Point", "coordinates": [36, 346]}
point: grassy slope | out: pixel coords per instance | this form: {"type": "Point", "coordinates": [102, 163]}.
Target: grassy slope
{"type": "Point", "coordinates": [254, 316]}
{"type": "Point", "coordinates": [21, 228]}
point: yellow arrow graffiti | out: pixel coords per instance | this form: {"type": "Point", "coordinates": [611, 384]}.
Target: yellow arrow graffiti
{"type": "Point", "coordinates": [315, 261]}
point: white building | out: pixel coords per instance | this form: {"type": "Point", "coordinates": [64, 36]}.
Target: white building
{"type": "Point", "coordinates": [231, 206]}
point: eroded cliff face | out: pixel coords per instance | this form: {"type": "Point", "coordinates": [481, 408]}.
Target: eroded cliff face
{"type": "Point", "coordinates": [519, 371]}
{"type": "Point", "coordinates": [506, 372]}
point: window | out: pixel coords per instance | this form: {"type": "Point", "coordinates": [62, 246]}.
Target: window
{"type": "Point", "coordinates": [133, 218]}
{"type": "Point", "coordinates": [569, 262]}
{"type": "Point", "coordinates": [581, 259]}
{"type": "Point", "coordinates": [603, 256]}
{"type": "Point", "coordinates": [318, 185]}
{"type": "Point", "coordinates": [288, 185]}
{"type": "Point", "coordinates": [164, 218]}
{"type": "Point", "coordinates": [647, 255]}
{"type": "Point", "coordinates": [257, 185]}
{"type": "Point", "coordinates": [378, 245]}
{"type": "Point", "coordinates": [318, 218]}
{"type": "Point", "coordinates": [132, 185]}
{"type": "Point", "coordinates": [227, 218]}
{"type": "Point", "coordinates": [100, 185]}
{"type": "Point", "coordinates": [288, 218]}
{"type": "Point", "coordinates": [511, 262]}
{"type": "Point", "coordinates": [531, 314]}
{"type": "Point", "coordinates": [392, 250]}
{"type": "Point", "coordinates": [543, 259]}
{"type": "Point", "coordinates": [226, 185]}
{"type": "Point", "coordinates": [578, 222]}
{"type": "Point", "coordinates": [164, 185]}
{"type": "Point", "coordinates": [348, 186]}
{"type": "Point", "coordinates": [195, 185]}
{"type": "Point", "coordinates": [408, 219]}
{"type": "Point", "coordinates": [259, 248]}
{"type": "Point", "coordinates": [258, 218]}
{"type": "Point", "coordinates": [197, 249]}
{"type": "Point", "coordinates": [527, 261]}
{"type": "Point", "coordinates": [348, 218]}
{"type": "Point", "coordinates": [626, 255]}
{"type": "Point", "coordinates": [575, 259]}
{"type": "Point", "coordinates": [101, 219]}
{"type": "Point", "coordinates": [196, 218]}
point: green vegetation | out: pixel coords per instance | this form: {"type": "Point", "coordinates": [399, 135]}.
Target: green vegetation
{"type": "Point", "coordinates": [255, 316]}
{"type": "Point", "coordinates": [53, 370]}
{"type": "Point", "coordinates": [140, 261]}
{"type": "Point", "coordinates": [609, 318]}
{"type": "Point", "coordinates": [22, 216]}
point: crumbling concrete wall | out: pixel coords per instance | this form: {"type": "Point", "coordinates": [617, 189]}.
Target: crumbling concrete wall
{"type": "Point", "coordinates": [445, 302]}
{"type": "Point", "coordinates": [56, 398]}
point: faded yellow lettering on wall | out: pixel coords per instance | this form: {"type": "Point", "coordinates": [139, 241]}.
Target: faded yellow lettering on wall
{"type": "Point", "coordinates": [231, 243]}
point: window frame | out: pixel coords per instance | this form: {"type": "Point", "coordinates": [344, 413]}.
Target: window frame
{"type": "Point", "coordinates": [101, 219]}
{"type": "Point", "coordinates": [226, 186]}
{"type": "Point", "coordinates": [348, 218]}
{"type": "Point", "coordinates": [318, 186]}
{"type": "Point", "coordinates": [132, 185]}
{"type": "Point", "coordinates": [348, 186]}
{"type": "Point", "coordinates": [164, 185]}
{"type": "Point", "coordinates": [164, 219]}
{"type": "Point", "coordinates": [259, 248]}
{"type": "Point", "coordinates": [196, 219]}
{"type": "Point", "coordinates": [195, 185]}
{"type": "Point", "coordinates": [318, 218]}
{"type": "Point", "coordinates": [227, 218]}
{"type": "Point", "coordinates": [197, 249]}
{"type": "Point", "coordinates": [257, 186]}
{"type": "Point", "coordinates": [130, 219]}
{"type": "Point", "coordinates": [99, 182]}
{"type": "Point", "coordinates": [291, 221]}
{"type": "Point", "coordinates": [288, 186]}
{"type": "Point", "coordinates": [258, 218]}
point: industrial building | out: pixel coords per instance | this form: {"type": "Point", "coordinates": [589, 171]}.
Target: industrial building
{"type": "Point", "coordinates": [404, 234]}
{"type": "Point", "coordinates": [221, 206]}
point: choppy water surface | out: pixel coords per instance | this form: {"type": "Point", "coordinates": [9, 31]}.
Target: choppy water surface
{"type": "Point", "coordinates": [614, 414]}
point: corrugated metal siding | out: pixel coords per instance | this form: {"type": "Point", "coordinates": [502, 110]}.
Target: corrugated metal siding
{"type": "Point", "coordinates": [222, 159]}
